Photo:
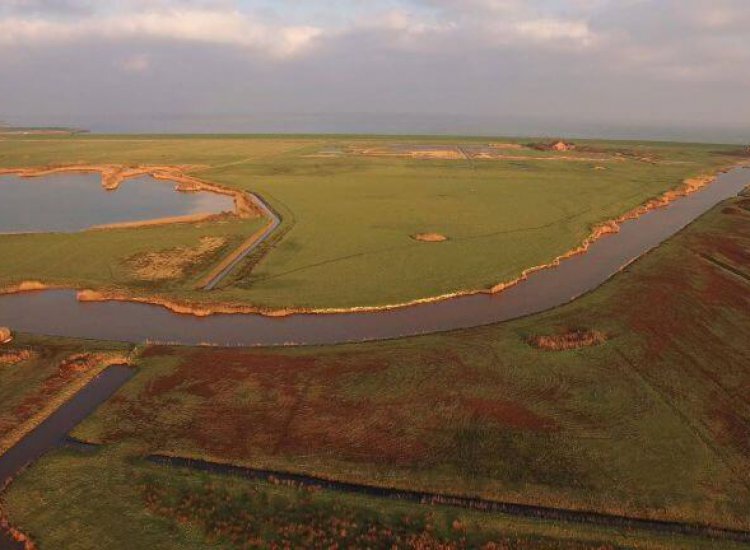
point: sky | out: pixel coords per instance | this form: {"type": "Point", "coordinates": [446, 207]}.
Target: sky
{"type": "Point", "coordinates": [497, 65]}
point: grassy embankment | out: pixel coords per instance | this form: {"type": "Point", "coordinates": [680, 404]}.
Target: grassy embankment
{"type": "Point", "coordinates": [652, 422]}
{"type": "Point", "coordinates": [350, 217]}
{"type": "Point", "coordinates": [37, 377]}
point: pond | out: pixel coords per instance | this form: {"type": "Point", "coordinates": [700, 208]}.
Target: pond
{"type": "Point", "coordinates": [69, 203]}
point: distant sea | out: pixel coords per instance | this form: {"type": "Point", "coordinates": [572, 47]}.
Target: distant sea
{"type": "Point", "coordinates": [370, 123]}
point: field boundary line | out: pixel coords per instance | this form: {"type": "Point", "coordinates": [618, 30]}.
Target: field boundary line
{"type": "Point", "coordinates": [472, 503]}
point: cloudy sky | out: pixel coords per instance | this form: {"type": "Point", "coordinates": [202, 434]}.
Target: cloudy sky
{"type": "Point", "coordinates": [650, 63]}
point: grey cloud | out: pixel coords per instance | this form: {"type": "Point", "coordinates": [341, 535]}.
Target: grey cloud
{"type": "Point", "coordinates": [46, 7]}
{"type": "Point", "coordinates": [593, 62]}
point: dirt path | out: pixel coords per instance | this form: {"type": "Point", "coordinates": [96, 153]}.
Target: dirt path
{"type": "Point", "coordinates": [220, 272]}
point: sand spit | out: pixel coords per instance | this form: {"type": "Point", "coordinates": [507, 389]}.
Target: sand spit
{"type": "Point", "coordinates": [28, 286]}
{"type": "Point", "coordinates": [429, 237]}
{"type": "Point", "coordinates": [507, 146]}
{"type": "Point", "coordinates": [113, 175]}
{"type": "Point", "coordinates": [189, 218]}
{"type": "Point", "coordinates": [177, 306]}
{"type": "Point", "coordinates": [436, 153]}
{"type": "Point", "coordinates": [495, 156]}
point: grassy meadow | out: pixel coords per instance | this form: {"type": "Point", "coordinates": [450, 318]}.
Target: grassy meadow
{"type": "Point", "coordinates": [349, 216]}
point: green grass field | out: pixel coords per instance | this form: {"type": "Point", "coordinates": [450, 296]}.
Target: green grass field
{"type": "Point", "coordinates": [348, 218]}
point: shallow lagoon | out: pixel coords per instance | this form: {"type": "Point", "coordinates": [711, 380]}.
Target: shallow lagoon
{"type": "Point", "coordinates": [73, 202]}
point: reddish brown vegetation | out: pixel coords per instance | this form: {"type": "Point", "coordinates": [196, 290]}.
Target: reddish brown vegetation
{"type": "Point", "coordinates": [77, 363]}
{"type": "Point", "coordinates": [68, 369]}
{"type": "Point", "coordinates": [251, 519]}
{"type": "Point", "coordinates": [300, 405]}
{"type": "Point", "coordinates": [418, 405]}
{"type": "Point", "coordinates": [288, 419]}
{"type": "Point", "coordinates": [508, 413]}
{"type": "Point", "coordinates": [575, 339]}
{"type": "Point", "coordinates": [15, 356]}
{"type": "Point", "coordinates": [682, 311]}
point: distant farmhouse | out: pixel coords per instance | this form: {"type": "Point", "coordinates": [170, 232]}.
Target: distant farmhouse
{"type": "Point", "coordinates": [557, 145]}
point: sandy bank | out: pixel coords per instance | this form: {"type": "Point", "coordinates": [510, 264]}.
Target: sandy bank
{"type": "Point", "coordinates": [429, 237]}
{"type": "Point", "coordinates": [689, 186]}
{"type": "Point", "coordinates": [188, 218]}
{"type": "Point", "coordinates": [28, 286]}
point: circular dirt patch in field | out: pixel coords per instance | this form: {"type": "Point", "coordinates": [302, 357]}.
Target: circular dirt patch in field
{"type": "Point", "coordinates": [429, 237]}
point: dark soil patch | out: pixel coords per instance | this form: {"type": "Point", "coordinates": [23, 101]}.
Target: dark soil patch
{"type": "Point", "coordinates": [508, 413]}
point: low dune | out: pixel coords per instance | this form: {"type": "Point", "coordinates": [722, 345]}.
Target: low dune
{"type": "Point", "coordinates": [430, 237]}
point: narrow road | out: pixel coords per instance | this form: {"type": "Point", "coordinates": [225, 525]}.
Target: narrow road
{"type": "Point", "coordinates": [226, 267]}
